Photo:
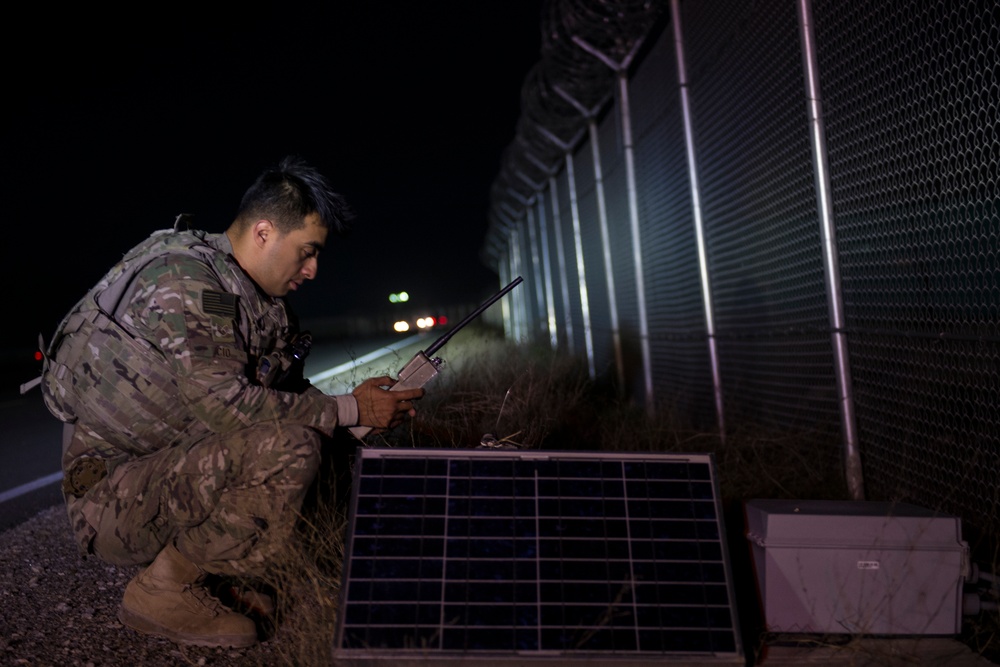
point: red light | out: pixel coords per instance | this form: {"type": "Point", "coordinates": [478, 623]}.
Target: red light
{"type": "Point", "coordinates": [38, 355]}
{"type": "Point", "coordinates": [442, 320]}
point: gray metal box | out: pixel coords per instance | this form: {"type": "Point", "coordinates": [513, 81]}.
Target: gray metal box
{"type": "Point", "coordinates": [857, 567]}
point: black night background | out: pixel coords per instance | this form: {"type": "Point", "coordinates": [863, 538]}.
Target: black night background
{"type": "Point", "coordinates": [119, 119]}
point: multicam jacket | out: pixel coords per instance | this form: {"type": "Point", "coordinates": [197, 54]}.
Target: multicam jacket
{"type": "Point", "coordinates": [164, 351]}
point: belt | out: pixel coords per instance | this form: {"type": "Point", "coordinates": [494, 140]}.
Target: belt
{"type": "Point", "coordinates": [83, 474]}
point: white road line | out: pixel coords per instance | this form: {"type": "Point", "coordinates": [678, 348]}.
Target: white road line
{"type": "Point", "coordinates": [30, 486]}
{"type": "Point", "coordinates": [371, 356]}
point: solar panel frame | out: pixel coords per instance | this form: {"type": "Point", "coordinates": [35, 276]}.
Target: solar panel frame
{"type": "Point", "coordinates": [473, 556]}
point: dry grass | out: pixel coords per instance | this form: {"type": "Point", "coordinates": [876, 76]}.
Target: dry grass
{"type": "Point", "coordinates": [537, 399]}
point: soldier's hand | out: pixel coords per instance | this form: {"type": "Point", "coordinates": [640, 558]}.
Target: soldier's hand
{"type": "Point", "coordinates": [380, 408]}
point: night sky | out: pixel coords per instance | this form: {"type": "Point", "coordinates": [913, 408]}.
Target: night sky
{"type": "Point", "coordinates": [116, 121]}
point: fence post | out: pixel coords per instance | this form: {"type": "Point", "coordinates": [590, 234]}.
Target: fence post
{"type": "Point", "coordinates": [588, 335]}
{"type": "Point", "coordinates": [536, 269]}
{"type": "Point", "coordinates": [621, 74]}
{"type": "Point", "coordinates": [831, 265]}
{"type": "Point", "coordinates": [536, 320]}
{"type": "Point", "coordinates": [699, 226]}
{"type": "Point", "coordinates": [609, 273]}
{"type": "Point", "coordinates": [504, 271]}
{"type": "Point", "coordinates": [520, 319]}
{"type": "Point", "coordinates": [602, 221]}
{"type": "Point", "coordinates": [550, 302]}
{"type": "Point", "coordinates": [544, 288]}
{"type": "Point", "coordinates": [561, 259]}
{"type": "Point", "coordinates": [633, 210]}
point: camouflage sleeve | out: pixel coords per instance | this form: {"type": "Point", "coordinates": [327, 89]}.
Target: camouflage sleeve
{"type": "Point", "coordinates": [199, 339]}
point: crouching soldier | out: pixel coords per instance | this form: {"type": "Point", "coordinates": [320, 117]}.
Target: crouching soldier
{"type": "Point", "coordinates": [191, 436]}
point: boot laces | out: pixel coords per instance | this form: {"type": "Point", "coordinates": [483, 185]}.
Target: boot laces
{"type": "Point", "coordinates": [206, 599]}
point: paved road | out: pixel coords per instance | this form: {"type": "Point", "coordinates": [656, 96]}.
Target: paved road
{"type": "Point", "coordinates": [31, 439]}
{"type": "Point", "coordinates": [30, 445]}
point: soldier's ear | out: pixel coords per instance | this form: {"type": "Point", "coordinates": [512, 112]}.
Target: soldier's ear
{"type": "Point", "coordinates": [262, 231]}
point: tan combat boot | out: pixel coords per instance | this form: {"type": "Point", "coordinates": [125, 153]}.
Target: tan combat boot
{"type": "Point", "coordinates": [168, 599]}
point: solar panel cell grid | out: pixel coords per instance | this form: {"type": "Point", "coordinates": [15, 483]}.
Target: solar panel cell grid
{"type": "Point", "coordinates": [502, 551]}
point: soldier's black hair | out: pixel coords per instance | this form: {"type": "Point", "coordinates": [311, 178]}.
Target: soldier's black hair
{"type": "Point", "coordinates": [288, 193]}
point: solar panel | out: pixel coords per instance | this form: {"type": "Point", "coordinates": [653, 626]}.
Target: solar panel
{"type": "Point", "coordinates": [474, 554]}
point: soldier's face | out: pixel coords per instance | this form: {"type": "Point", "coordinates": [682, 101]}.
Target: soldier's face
{"type": "Point", "coordinates": [291, 259]}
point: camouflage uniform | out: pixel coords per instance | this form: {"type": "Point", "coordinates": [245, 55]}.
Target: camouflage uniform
{"type": "Point", "coordinates": [196, 448]}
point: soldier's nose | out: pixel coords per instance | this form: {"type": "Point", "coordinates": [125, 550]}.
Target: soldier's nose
{"type": "Point", "coordinates": [310, 269]}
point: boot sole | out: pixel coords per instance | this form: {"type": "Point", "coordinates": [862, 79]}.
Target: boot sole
{"type": "Point", "coordinates": [148, 626]}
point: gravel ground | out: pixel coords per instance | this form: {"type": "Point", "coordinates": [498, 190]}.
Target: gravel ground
{"type": "Point", "coordinates": [60, 609]}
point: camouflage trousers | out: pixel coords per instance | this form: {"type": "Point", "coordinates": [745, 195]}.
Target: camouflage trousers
{"type": "Point", "coordinates": [229, 501]}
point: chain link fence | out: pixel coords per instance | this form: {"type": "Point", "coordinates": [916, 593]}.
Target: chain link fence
{"type": "Point", "coordinates": [912, 95]}
{"type": "Point", "coordinates": [688, 251]}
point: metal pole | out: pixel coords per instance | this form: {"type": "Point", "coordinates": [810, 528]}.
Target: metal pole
{"type": "Point", "coordinates": [590, 115]}
{"type": "Point", "coordinates": [536, 271]}
{"type": "Point", "coordinates": [504, 271]}
{"type": "Point", "coordinates": [520, 266]}
{"type": "Point", "coordinates": [633, 211]}
{"type": "Point", "coordinates": [527, 314]}
{"type": "Point", "coordinates": [550, 301]}
{"type": "Point", "coordinates": [541, 277]}
{"type": "Point", "coordinates": [609, 274]}
{"type": "Point", "coordinates": [561, 257]}
{"type": "Point", "coordinates": [621, 72]}
{"type": "Point", "coordinates": [588, 335]}
{"type": "Point", "coordinates": [518, 299]}
{"type": "Point", "coordinates": [831, 265]}
{"type": "Point", "coordinates": [514, 266]}
{"type": "Point", "coordinates": [699, 227]}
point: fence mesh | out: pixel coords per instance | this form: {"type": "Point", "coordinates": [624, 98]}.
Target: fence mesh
{"type": "Point", "coordinates": [911, 94]}
{"type": "Point", "coordinates": [761, 221]}
{"type": "Point", "coordinates": [911, 99]}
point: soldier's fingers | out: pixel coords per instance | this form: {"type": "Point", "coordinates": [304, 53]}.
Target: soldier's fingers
{"type": "Point", "coordinates": [409, 394]}
{"type": "Point", "coordinates": [381, 381]}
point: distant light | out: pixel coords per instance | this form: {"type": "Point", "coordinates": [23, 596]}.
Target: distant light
{"type": "Point", "coordinates": [38, 355]}
{"type": "Point", "coordinates": [425, 322]}
{"type": "Point", "coordinates": [443, 320]}
{"type": "Point", "coordinates": [393, 298]}
{"type": "Point", "coordinates": [401, 326]}
{"type": "Point", "coordinates": [399, 297]}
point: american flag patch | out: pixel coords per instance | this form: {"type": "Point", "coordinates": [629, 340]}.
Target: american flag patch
{"type": "Point", "coordinates": [218, 303]}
